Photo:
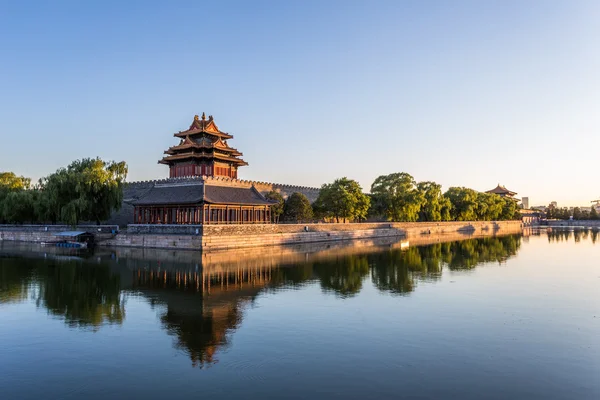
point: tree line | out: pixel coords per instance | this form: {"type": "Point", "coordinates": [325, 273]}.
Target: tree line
{"type": "Point", "coordinates": [577, 213]}
{"type": "Point", "coordinates": [86, 190]}
{"type": "Point", "coordinates": [395, 197]}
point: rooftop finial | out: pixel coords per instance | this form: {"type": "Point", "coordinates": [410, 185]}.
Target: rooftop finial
{"type": "Point", "coordinates": [196, 117]}
{"type": "Point", "coordinates": [203, 116]}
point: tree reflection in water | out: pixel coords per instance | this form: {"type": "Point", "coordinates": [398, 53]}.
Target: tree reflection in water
{"type": "Point", "coordinates": [344, 275]}
{"type": "Point", "coordinates": [201, 306]}
{"type": "Point", "coordinates": [84, 295]}
{"type": "Point", "coordinates": [564, 235]}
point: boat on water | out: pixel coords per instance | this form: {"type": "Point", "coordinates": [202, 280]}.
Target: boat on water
{"type": "Point", "coordinates": [72, 239]}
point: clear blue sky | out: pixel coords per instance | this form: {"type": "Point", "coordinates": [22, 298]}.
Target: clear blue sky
{"type": "Point", "coordinates": [470, 93]}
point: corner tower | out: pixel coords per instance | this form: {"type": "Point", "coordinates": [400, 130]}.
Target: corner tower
{"type": "Point", "coordinates": [203, 150]}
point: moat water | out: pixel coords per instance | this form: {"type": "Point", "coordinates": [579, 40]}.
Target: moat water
{"type": "Point", "coordinates": [511, 317]}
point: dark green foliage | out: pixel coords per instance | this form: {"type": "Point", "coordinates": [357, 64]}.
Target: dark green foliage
{"type": "Point", "coordinates": [297, 209]}
{"type": "Point", "coordinates": [276, 209]}
{"type": "Point", "coordinates": [87, 190]}
{"type": "Point", "coordinates": [18, 207]}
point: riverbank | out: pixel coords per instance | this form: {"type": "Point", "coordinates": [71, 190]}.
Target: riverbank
{"type": "Point", "coordinates": [224, 237]}
{"type": "Point", "coordinates": [574, 223]}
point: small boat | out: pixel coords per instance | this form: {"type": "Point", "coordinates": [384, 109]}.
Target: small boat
{"type": "Point", "coordinates": [72, 239]}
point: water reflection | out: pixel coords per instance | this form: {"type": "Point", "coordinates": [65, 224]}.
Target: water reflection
{"type": "Point", "coordinates": [200, 309]}
{"type": "Point", "coordinates": [84, 295]}
{"type": "Point", "coordinates": [564, 235]}
{"type": "Point", "coordinates": [201, 299]}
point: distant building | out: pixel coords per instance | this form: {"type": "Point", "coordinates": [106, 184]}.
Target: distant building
{"type": "Point", "coordinates": [554, 204]}
{"type": "Point", "coordinates": [503, 192]}
{"type": "Point", "coordinates": [530, 217]}
{"type": "Point", "coordinates": [525, 203]}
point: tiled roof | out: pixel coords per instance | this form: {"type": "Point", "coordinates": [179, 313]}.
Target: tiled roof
{"type": "Point", "coordinates": [501, 190]}
{"type": "Point", "coordinates": [204, 126]}
{"type": "Point", "coordinates": [171, 194]}
{"type": "Point", "coordinates": [195, 194]}
{"type": "Point", "coordinates": [233, 195]}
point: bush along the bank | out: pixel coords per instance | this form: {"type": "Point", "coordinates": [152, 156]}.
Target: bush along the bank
{"type": "Point", "coordinates": [86, 190]}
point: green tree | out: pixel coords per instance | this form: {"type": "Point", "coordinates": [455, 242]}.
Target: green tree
{"type": "Point", "coordinates": [510, 210]}
{"type": "Point", "coordinates": [593, 213]}
{"type": "Point", "coordinates": [18, 207]}
{"type": "Point", "coordinates": [489, 207]}
{"type": "Point", "coordinates": [577, 213]}
{"type": "Point", "coordinates": [464, 203]}
{"type": "Point", "coordinates": [435, 206]}
{"type": "Point", "coordinates": [88, 189]}
{"type": "Point", "coordinates": [297, 209]}
{"type": "Point", "coordinates": [397, 197]}
{"type": "Point", "coordinates": [342, 199]}
{"type": "Point", "coordinates": [276, 208]}
{"type": "Point", "coordinates": [10, 183]}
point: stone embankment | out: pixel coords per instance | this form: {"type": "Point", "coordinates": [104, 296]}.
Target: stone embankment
{"type": "Point", "coordinates": [224, 237]}
{"type": "Point", "coordinates": [45, 233]}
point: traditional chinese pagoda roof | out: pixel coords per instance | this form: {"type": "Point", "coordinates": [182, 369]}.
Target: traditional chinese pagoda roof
{"type": "Point", "coordinates": [202, 125]}
{"type": "Point", "coordinates": [203, 143]}
{"type": "Point", "coordinates": [186, 156]}
{"type": "Point", "coordinates": [183, 194]}
{"type": "Point", "coordinates": [501, 190]}
{"type": "Point", "coordinates": [203, 140]}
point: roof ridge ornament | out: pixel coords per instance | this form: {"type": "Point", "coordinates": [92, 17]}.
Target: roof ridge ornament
{"type": "Point", "coordinates": [203, 117]}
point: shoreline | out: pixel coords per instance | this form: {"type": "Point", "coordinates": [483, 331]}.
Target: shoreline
{"type": "Point", "coordinates": [209, 238]}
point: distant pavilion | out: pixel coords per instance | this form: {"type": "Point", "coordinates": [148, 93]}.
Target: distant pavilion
{"type": "Point", "coordinates": [502, 191]}
{"type": "Point", "coordinates": [203, 169]}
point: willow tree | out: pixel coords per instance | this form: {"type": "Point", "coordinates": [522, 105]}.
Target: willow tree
{"type": "Point", "coordinates": [464, 203]}
{"type": "Point", "coordinates": [435, 206]}
{"type": "Point", "coordinates": [397, 197]}
{"type": "Point", "coordinates": [489, 206]}
{"type": "Point", "coordinates": [87, 190]}
{"type": "Point", "coordinates": [342, 200]}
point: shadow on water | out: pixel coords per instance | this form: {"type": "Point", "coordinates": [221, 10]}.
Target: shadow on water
{"type": "Point", "coordinates": [201, 298]}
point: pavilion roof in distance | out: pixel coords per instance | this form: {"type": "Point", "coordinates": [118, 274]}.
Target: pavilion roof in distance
{"type": "Point", "coordinates": [203, 125]}
{"type": "Point", "coordinates": [502, 190]}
